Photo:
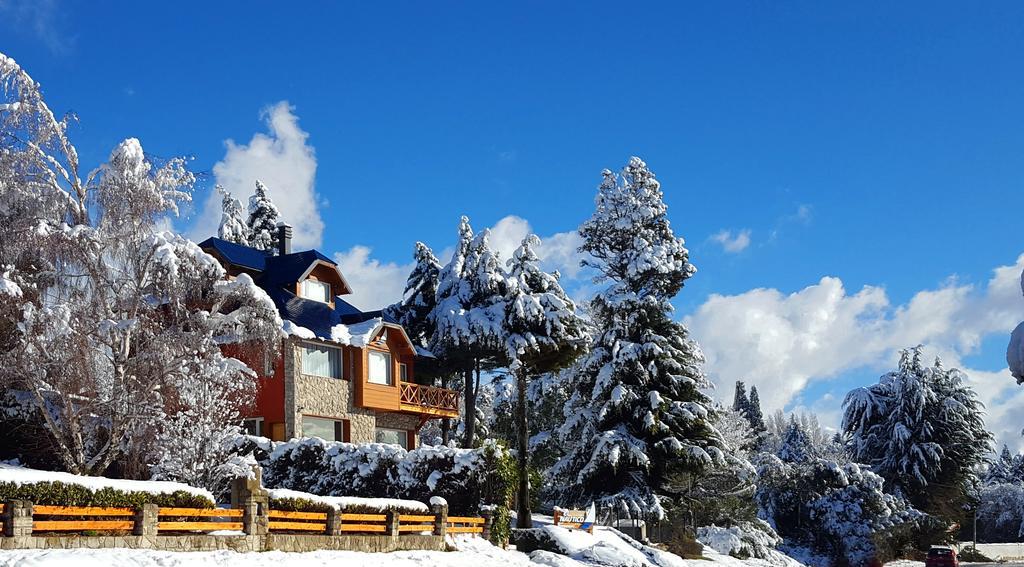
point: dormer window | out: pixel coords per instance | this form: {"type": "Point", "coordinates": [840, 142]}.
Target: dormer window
{"type": "Point", "coordinates": [316, 290]}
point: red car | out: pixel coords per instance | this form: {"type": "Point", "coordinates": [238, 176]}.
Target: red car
{"type": "Point", "coordinates": [941, 557]}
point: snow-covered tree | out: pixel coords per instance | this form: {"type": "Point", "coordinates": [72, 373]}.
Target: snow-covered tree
{"type": "Point", "coordinates": [1006, 468]}
{"type": "Point", "coordinates": [1015, 350]}
{"type": "Point", "coordinates": [835, 510]}
{"type": "Point", "coordinates": [740, 401]}
{"type": "Point", "coordinates": [544, 334]}
{"type": "Point", "coordinates": [638, 415]}
{"type": "Point", "coordinates": [756, 417]}
{"type": "Point", "coordinates": [1001, 512]}
{"type": "Point", "coordinates": [108, 316]}
{"type": "Point", "coordinates": [263, 219]}
{"type": "Point", "coordinates": [469, 315]}
{"type": "Point", "coordinates": [233, 227]}
{"type": "Point", "coordinates": [413, 311]}
{"type": "Point", "coordinates": [922, 429]}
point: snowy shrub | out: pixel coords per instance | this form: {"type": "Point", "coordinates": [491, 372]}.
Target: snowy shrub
{"type": "Point", "coordinates": [744, 540]}
{"type": "Point", "coordinates": [466, 478]}
{"type": "Point", "coordinates": [1001, 513]}
{"type": "Point", "coordinates": [837, 510]}
{"type": "Point", "coordinates": [63, 494]}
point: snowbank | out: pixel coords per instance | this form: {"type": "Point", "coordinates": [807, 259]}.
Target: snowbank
{"type": "Point", "coordinates": [21, 475]}
{"type": "Point", "coordinates": [471, 552]}
{"type": "Point", "coordinates": [348, 502]}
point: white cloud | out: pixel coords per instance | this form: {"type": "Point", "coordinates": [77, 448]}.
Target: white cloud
{"type": "Point", "coordinates": [283, 161]}
{"type": "Point", "coordinates": [374, 284]}
{"type": "Point", "coordinates": [556, 252]}
{"type": "Point", "coordinates": [782, 343]}
{"type": "Point", "coordinates": [732, 243]}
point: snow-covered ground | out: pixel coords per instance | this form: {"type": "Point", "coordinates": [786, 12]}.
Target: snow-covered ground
{"type": "Point", "coordinates": [21, 475]}
{"type": "Point", "coordinates": [604, 548]}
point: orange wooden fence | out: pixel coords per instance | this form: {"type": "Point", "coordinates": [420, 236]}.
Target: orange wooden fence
{"type": "Point", "coordinates": [464, 525]}
{"type": "Point", "coordinates": [171, 520]}
{"type": "Point", "coordinates": [299, 521]}
{"type": "Point", "coordinates": [199, 519]}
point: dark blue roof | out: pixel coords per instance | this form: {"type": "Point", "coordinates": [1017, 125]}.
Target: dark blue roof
{"type": "Point", "coordinates": [288, 269]}
{"type": "Point", "coordinates": [252, 258]}
{"type": "Point", "coordinates": [278, 276]}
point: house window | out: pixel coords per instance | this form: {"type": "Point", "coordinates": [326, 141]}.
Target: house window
{"type": "Point", "coordinates": [253, 426]}
{"type": "Point", "coordinates": [393, 437]}
{"type": "Point", "coordinates": [403, 371]}
{"type": "Point", "coordinates": [316, 290]}
{"type": "Point", "coordinates": [326, 429]}
{"type": "Point", "coordinates": [320, 360]}
{"type": "Point", "coordinates": [380, 368]}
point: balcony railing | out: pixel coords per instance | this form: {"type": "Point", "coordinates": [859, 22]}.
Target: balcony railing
{"type": "Point", "coordinates": [429, 399]}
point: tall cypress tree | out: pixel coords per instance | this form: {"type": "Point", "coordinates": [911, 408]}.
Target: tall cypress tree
{"type": "Point", "coordinates": [639, 417]}
{"type": "Point", "coordinates": [756, 417]}
{"type": "Point", "coordinates": [740, 402]}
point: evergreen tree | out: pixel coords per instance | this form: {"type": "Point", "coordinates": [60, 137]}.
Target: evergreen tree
{"type": "Point", "coordinates": [756, 417]}
{"type": "Point", "coordinates": [1007, 468]}
{"type": "Point", "coordinates": [420, 297]}
{"type": "Point", "coordinates": [544, 335]}
{"type": "Point", "coordinates": [232, 221]}
{"type": "Point", "coordinates": [263, 219]}
{"type": "Point", "coordinates": [469, 315]}
{"type": "Point", "coordinates": [740, 402]}
{"type": "Point", "coordinates": [921, 429]}
{"type": "Point", "coordinates": [638, 415]}
{"type": "Point", "coordinates": [796, 443]}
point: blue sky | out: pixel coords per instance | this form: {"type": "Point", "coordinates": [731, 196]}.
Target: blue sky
{"type": "Point", "coordinates": [876, 144]}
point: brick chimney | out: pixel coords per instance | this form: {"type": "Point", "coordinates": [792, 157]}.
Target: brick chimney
{"type": "Point", "coordinates": [284, 239]}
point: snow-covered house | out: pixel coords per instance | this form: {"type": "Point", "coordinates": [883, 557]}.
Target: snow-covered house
{"type": "Point", "coordinates": [342, 374]}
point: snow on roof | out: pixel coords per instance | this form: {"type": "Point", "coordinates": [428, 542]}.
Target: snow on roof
{"type": "Point", "coordinates": [343, 502]}
{"type": "Point", "coordinates": [21, 475]}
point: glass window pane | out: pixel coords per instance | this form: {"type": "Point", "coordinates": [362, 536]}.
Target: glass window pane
{"type": "Point", "coordinates": [318, 360]}
{"type": "Point", "coordinates": [393, 437]}
{"type": "Point", "coordinates": [403, 372]}
{"type": "Point", "coordinates": [380, 368]}
{"type": "Point", "coordinates": [317, 291]}
{"type": "Point", "coordinates": [319, 427]}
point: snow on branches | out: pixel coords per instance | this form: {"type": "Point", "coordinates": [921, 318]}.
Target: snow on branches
{"type": "Point", "coordinates": [115, 327]}
{"type": "Point", "coordinates": [638, 414]}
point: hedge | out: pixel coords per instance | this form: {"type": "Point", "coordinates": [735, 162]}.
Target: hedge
{"type": "Point", "coordinates": [63, 494]}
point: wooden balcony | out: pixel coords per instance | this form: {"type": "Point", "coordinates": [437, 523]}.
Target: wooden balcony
{"type": "Point", "coordinates": [429, 400]}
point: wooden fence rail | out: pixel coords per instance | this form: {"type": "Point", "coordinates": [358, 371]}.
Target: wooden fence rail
{"type": "Point", "coordinates": [19, 518]}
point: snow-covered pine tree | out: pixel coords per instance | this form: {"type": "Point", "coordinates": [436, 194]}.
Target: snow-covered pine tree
{"type": "Point", "coordinates": [1015, 350]}
{"type": "Point", "coordinates": [756, 417]}
{"type": "Point", "coordinates": [233, 227]}
{"type": "Point", "coordinates": [263, 219]}
{"type": "Point", "coordinates": [638, 416]}
{"type": "Point", "coordinates": [1001, 468]}
{"type": "Point", "coordinates": [922, 429]}
{"type": "Point", "coordinates": [796, 444]}
{"type": "Point", "coordinates": [544, 334]}
{"type": "Point", "coordinates": [420, 297]}
{"type": "Point", "coordinates": [469, 315]}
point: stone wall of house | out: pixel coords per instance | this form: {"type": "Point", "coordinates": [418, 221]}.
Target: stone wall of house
{"type": "Point", "coordinates": [399, 421]}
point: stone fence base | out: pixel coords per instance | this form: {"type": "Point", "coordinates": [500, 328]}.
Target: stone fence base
{"type": "Point", "coordinates": [242, 543]}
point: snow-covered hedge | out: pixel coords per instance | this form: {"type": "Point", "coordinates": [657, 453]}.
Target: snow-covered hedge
{"type": "Point", "coordinates": [293, 500]}
{"type": "Point", "coordinates": [64, 489]}
{"type": "Point", "coordinates": [466, 478]}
